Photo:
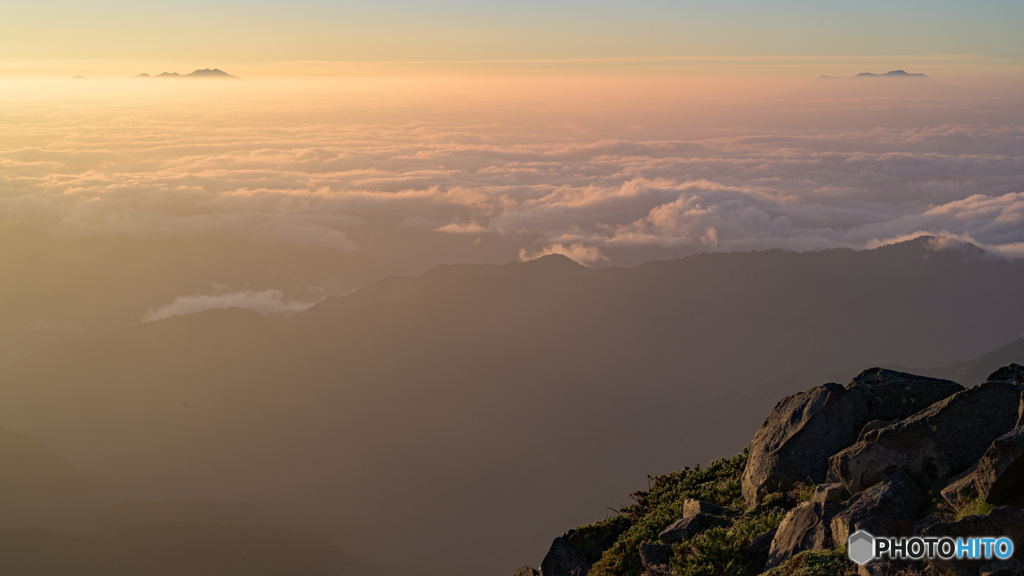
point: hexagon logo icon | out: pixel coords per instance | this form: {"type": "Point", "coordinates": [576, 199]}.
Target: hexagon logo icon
{"type": "Point", "coordinates": [861, 547]}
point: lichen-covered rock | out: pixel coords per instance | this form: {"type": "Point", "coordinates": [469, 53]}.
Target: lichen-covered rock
{"type": "Point", "coordinates": [895, 395]}
{"type": "Point", "coordinates": [525, 571]}
{"type": "Point", "coordinates": [1003, 521]}
{"type": "Point", "coordinates": [895, 498]}
{"type": "Point", "coordinates": [933, 444]}
{"type": "Point", "coordinates": [999, 478]}
{"type": "Point", "coordinates": [563, 560]}
{"type": "Point", "coordinates": [1008, 373]}
{"type": "Point", "coordinates": [690, 526]}
{"type": "Point", "coordinates": [796, 440]}
{"type": "Point", "coordinates": [806, 527]}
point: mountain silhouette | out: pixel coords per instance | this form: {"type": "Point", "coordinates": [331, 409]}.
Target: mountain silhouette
{"type": "Point", "coordinates": [891, 73]}
{"type": "Point", "coordinates": [896, 84]}
{"type": "Point", "coordinates": [204, 73]}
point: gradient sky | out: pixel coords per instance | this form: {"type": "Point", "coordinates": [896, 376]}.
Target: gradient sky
{"type": "Point", "coordinates": [233, 31]}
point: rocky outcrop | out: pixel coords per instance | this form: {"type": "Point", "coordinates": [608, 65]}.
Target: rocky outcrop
{"type": "Point", "coordinates": [878, 456]}
{"type": "Point", "coordinates": [893, 499]}
{"type": "Point", "coordinates": [933, 444]}
{"type": "Point", "coordinates": [999, 478]}
{"type": "Point", "coordinates": [828, 493]}
{"type": "Point", "coordinates": [1009, 373]}
{"type": "Point", "coordinates": [961, 488]}
{"type": "Point", "coordinates": [563, 560]}
{"type": "Point", "coordinates": [796, 440]}
{"type": "Point", "coordinates": [758, 550]}
{"type": "Point", "coordinates": [690, 526]}
{"type": "Point", "coordinates": [895, 395]}
{"type": "Point", "coordinates": [1004, 521]}
{"type": "Point", "coordinates": [697, 517]}
{"type": "Point", "coordinates": [655, 559]}
{"type": "Point", "coordinates": [692, 507]}
{"type": "Point", "coordinates": [872, 426]}
{"type": "Point", "coordinates": [806, 527]}
{"type": "Point", "coordinates": [525, 571]}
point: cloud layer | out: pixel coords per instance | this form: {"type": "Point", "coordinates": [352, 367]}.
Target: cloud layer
{"type": "Point", "coordinates": [357, 177]}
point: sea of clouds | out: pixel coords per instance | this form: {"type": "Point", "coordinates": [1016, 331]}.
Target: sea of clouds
{"type": "Point", "coordinates": [597, 187]}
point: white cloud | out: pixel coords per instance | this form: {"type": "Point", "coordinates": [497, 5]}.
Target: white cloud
{"type": "Point", "coordinates": [581, 254]}
{"type": "Point", "coordinates": [265, 302]}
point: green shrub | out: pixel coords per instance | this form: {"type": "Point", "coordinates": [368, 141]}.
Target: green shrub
{"type": "Point", "coordinates": [776, 499]}
{"type": "Point", "coordinates": [722, 552]}
{"type": "Point", "coordinates": [973, 507]}
{"type": "Point", "coordinates": [826, 562]}
{"type": "Point", "coordinates": [654, 509]}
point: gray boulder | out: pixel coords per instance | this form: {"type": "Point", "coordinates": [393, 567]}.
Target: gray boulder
{"type": "Point", "coordinates": [563, 560]}
{"type": "Point", "coordinates": [1008, 373]}
{"type": "Point", "coordinates": [893, 499]}
{"type": "Point", "coordinates": [895, 395]}
{"type": "Point", "coordinates": [690, 526]}
{"type": "Point", "coordinates": [692, 507]}
{"type": "Point", "coordinates": [758, 549]}
{"type": "Point", "coordinates": [525, 571]}
{"type": "Point", "coordinates": [1004, 521]}
{"type": "Point", "coordinates": [796, 440]}
{"type": "Point", "coordinates": [999, 478]}
{"type": "Point", "coordinates": [806, 527]}
{"type": "Point", "coordinates": [933, 444]}
{"type": "Point", "coordinates": [655, 558]}
{"type": "Point", "coordinates": [961, 487]}
{"type": "Point", "coordinates": [828, 493]}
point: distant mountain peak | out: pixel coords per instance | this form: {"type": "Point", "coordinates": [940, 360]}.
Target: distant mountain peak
{"type": "Point", "coordinates": [204, 73]}
{"type": "Point", "coordinates": [552, 262]}
{"type": "Point", "coordinates": [895, 84]}
{"type": "Point", "coordinates": [211, 72]}
{"type": "Point", "coordinates": [889, 74]}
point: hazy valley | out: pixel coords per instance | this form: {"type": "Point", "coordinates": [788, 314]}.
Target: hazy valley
{"type": "Point", "coordinates": [469, 414]}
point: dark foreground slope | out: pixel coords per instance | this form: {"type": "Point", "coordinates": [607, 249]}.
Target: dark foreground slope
{"type": "Point", "coordinates": [483, 407]}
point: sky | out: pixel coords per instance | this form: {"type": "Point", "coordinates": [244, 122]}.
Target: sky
{"type": "Point", "coordinates": [260, 36]}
